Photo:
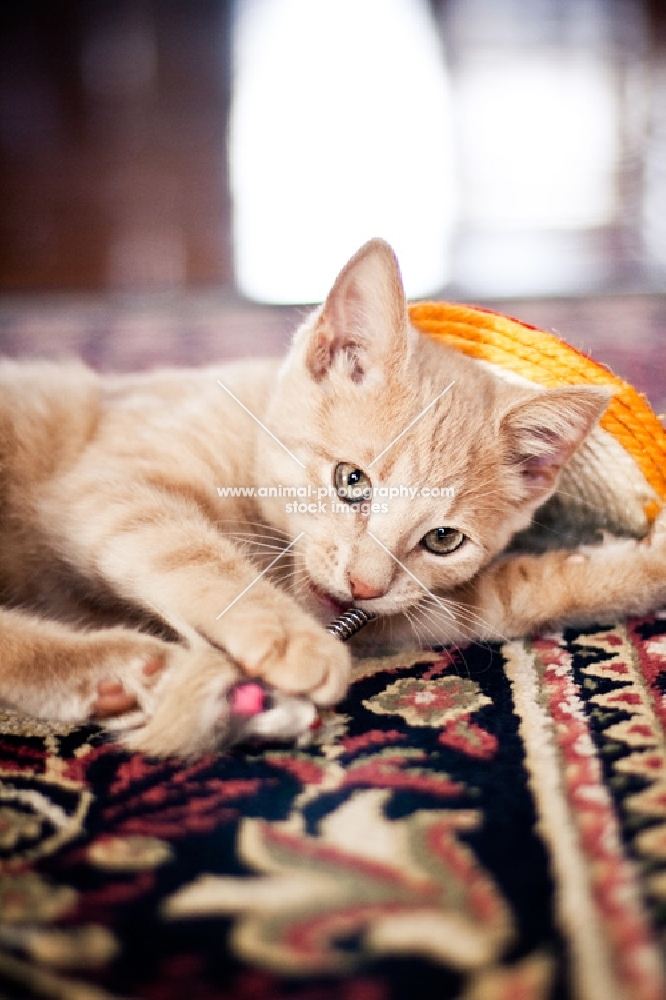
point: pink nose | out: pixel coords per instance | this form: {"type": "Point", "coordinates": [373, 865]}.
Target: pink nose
{"type": "Point", "coordinates": [364, 591]}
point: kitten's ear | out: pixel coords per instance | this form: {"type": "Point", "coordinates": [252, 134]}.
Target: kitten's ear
{"type": "Point", "coordinates": [362, 328]}
{"type": "Point", "coordinates": [543, 431]}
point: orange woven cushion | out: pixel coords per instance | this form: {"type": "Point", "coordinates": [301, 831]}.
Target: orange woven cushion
{"type": "Point", "coordinates": [546, 360]}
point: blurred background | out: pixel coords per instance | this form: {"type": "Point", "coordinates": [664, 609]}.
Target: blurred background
{"type": "Point", "coordinates": [505, 147]}
{"type": "Point", "coordinates": [223, 159]}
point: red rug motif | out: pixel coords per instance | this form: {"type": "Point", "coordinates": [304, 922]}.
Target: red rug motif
{"type": "Point", "coordinates": [483, 824]}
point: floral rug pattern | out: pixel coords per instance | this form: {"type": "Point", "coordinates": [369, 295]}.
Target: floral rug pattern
{"type": "Point", "coordinates": [483, 824]}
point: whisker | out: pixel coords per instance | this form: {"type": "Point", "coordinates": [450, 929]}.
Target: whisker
{"type": "Point", "coordinates": [247, 536]}
{"type": "Point", "coordinates": [472, 616]}
{"type": "Point", "coordinates": [463, 620]}
{"type": "Point", "coordinates": [244, 522]}
{"type": "Point", "coordinates": [461, 653]}
{"type": "Point", "coordinates": [257, 542]}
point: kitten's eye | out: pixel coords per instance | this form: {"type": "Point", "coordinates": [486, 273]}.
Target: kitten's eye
{"type": "Point", "coordinates": [441, 541]}
{"type": "Point", "coordinates": [352, 484]}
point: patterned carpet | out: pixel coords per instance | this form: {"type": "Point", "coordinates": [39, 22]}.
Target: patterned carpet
{"type": "Point", "coordinates": [477, 824]}
{"type": "Point", "coordinates": [482, 824]}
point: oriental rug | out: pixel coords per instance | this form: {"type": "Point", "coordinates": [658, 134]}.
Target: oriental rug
{"type": "Point", "coordinates": [483, 824]}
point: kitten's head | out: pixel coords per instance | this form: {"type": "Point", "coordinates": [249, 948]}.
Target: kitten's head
{"type": "Point", "coordinates": [368, 404]}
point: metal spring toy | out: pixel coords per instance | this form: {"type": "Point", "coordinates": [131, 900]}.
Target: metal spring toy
{"type": "Point", "coordinates": [349, 623]}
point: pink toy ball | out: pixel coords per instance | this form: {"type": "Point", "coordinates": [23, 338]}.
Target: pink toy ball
{"type": "Point", "coordinates": [247, 699]}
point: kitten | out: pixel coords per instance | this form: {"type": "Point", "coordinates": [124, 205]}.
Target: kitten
{"type": "Point", "coordinates": [130, 584]}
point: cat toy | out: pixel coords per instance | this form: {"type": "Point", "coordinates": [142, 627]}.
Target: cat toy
{"type": "Point", "coordinates": [250, 699]}
{"type": "Point", "coordinates": [349, 623]}
{"type": "Point", "coordinates": [616, 481]}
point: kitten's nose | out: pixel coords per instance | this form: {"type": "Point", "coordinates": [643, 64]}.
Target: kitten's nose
{"type": "Point", "coordinates": [364, 591]}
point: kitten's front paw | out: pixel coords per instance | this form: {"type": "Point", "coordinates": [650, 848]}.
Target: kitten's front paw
{"type": "Point", "coordinates": [197, 709]}
{"type": "Point", "coordinates": [113, 698]}
{"type": "Point", "coordinates": [106, 673]}
{"type": "Point", "coordinates": [283, 646]}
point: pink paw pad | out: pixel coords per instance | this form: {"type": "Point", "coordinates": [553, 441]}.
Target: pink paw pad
{"type": "Point", "coordinates": [248, 699]}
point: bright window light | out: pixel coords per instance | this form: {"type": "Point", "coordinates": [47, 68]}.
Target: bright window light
{"type": "Point", "coordinates": [340, 131]}
{"type": "Point", "coordinates": [538, 140]}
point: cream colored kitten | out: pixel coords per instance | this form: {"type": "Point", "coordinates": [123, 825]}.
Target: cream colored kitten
{"type": "Point", "coordinates": [112, 521]}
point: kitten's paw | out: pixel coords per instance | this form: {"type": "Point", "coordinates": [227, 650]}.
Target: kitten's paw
{"type": "Point", "coordinates": [123, 671]}
{"type": "Point", "coordinates": [113, 698]}
{"type": "Point", "coordinates": [286, 648]}
{"type": "Point", "coordinates": [188, 710]}
{"type": "Point", "coordinates": [197, 709]}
